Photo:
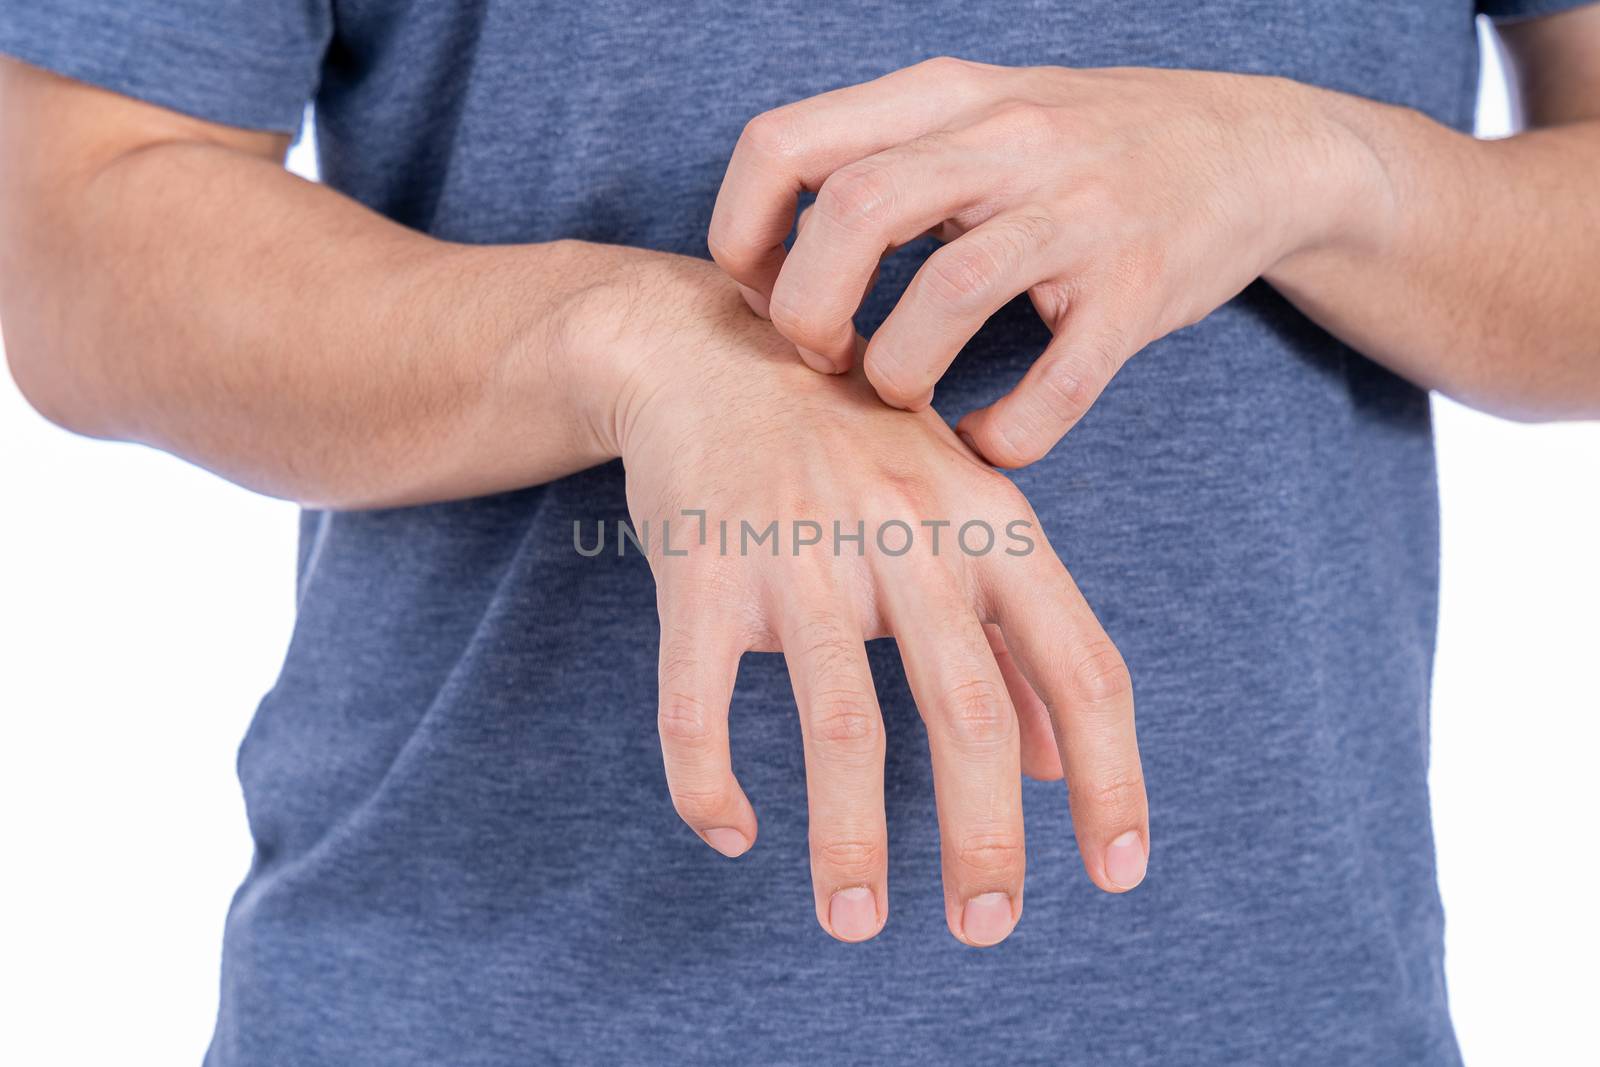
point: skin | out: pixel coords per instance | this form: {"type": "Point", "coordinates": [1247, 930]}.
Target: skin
{"type": "Point", "coordinates": [148, 294]}
{"type": "Point", "coordinates": [1130, 203]}
{"type": "Point", "coordinates": [784, 442]}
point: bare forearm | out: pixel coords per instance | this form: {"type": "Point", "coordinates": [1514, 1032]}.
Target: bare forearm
{"type": "Point", "coordinates": [1474, 271]}
{"type": "Point", "coordinates": [204, 301]}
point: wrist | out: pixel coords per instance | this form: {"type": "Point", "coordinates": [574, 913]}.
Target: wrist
{"type": "Point", "coordinates": [595, 335]}
{"type": "Point", "coordinates": [635, 332]}
{"type": "Point", "coordinates": [1340, 194]}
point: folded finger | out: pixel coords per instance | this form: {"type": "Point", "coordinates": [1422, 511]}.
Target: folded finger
{"type": "Point", "coordinates": [1040, 757]}
{"type": "Point", "coordinates": [793, 148]}
{"type": "Point", "coordinates": [862, 210]}
{"type": "Point", "coordinates": [699, 661]}
{"type": "Point", "coordinates": [1094, 340]}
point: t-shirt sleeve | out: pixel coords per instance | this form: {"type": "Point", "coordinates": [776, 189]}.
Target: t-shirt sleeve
{"type": "Point", "coordinates": [249, 63]}
{"type": "Point", "coordinates": [1523, 9]}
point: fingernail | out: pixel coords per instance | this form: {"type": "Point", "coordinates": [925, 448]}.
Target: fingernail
{"type": "Point", "coordinates": [1125, 861]}
{"type": "Point", "coordinates": [727, 841]}
{"type": "Point", "coordinates": [817, 362]}
{"type": "Point", "coordinates": [757, 302]}
{"type": "Point", "coordinates": [986, 920]}
{"type": "Point", "coordinates": [853, 914]}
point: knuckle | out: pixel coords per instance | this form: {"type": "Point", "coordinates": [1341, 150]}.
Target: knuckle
{"type": "Point", "coordinates": [1106, 348]}
{"type": "Point", "coordinates": [966, 273]}
{"type": "Point", "coordinates": [969, 274]}
{"type": "Point", "coordinates": [944, 70]}
{"type": "Point", "coordinates": [858, 196]}
{"type": "Point", "coordinates": [993, 854]}
{"type": "Point", "coordinates": [821, 638]}
{"type": "Point", "coordinates": [1025, 430]}
{"type": "Point", "coordinates": [1100, 676]}
{"type": "Point", "coordinates": [729, 250]}
{"type": "Point", "coordinates": [851, 857]}
{"type": "Point", "coordinates": [1097, 197]}
{"type": "Point", "coordinates": [1025, 126]}
{"type": "Point", "coordinates": [961, 275]}
{"type": "Point", "coordinates": [1024, 236]}
{"type": "Point", "coordinates": [1003, 504]}
{"type": "Point", "coordinates": [1119, 799]}
{"type": "Point", "coordinates": [806, 327]}
{"type": "Point", "coordinates": [845, 720]}
{"type": "Point", "coordinates": [1070, 385]}
{"type": "Point", "coordinates": [979, 714]}
{"type": "Point", "coordinates": [891, 380]}
{"type": "Point", "coordinates": [684, 720]}
{"type": "Point", "coordinates": [841, 716]}
{"type": "Point", "coordinates": [786, 317]}
{"type": "Point", "coordinates": [906, 490]}
{"type": "Point", "coordinates": [699, 806]}
{"type": "Point", "coordinates": [1001, 496]}
{"type": "Point", "coordinates": [771, 135]}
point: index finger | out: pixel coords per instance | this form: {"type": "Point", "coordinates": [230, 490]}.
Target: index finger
{"type": "Point", "coordinates": [795, 147]}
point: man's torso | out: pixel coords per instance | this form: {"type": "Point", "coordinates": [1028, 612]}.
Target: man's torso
{"type": "Point", "coordinates": [466, 853]}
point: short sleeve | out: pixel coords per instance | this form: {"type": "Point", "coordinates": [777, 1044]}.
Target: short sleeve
{"type": "Point", "coordinates": [249, 63]}
{"type": "Point", "coordinates": [1524, 9]}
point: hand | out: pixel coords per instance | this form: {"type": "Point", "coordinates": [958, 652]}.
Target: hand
{"type": "Point", "coordinates": [718, 422]}
{"type": "Point", "coordinates": [1125, 203]}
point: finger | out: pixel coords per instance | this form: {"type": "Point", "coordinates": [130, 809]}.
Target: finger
{"type": "Point", "coordinates": [973, 740]}
{"type": "Point", "coordinates": [1093, 343]}
{"type": "Point", "coordinates": [699, 661]}
{"type": "Point", "coordinates": [1071, 663]}
{"type": "Point", "coordinates": [877, 269]}
{"type": "Point", "coordinates": [1040, 757]}
{"type": "Point", "coordinates": [842, 730]}
{"type": "Point", "coordinates": [953, 294]}
{"type": "Point", "coordinates": [793, 148]}
{"type": "Point", "coordinates": [864, 209]}
{"type": "Point", "coordinates": [756, 301]}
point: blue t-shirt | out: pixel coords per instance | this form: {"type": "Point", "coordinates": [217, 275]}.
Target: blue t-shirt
{"type": "Point", "coordinates": [465, 851]}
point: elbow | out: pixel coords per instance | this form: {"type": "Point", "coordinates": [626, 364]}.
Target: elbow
{"type": "Point", "coordinates": [1575, 405]}
{"type": "Point", "coordinates": [1566, 412]}
{"type": "Point", "coordinates": [47, 383]}
{"type": "Point", "coordinates": [1528, 409]}
{"type": "Point", "coordinates": [26, 364]}
{"type": "Point", "coordinates": [1564, 390]}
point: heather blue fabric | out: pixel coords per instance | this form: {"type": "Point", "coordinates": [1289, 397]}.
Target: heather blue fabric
{"type": "Point", "coordinates": [465, 852]}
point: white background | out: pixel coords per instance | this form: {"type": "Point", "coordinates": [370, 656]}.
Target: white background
{"type": "Point", "coordinates": [144, 607]}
